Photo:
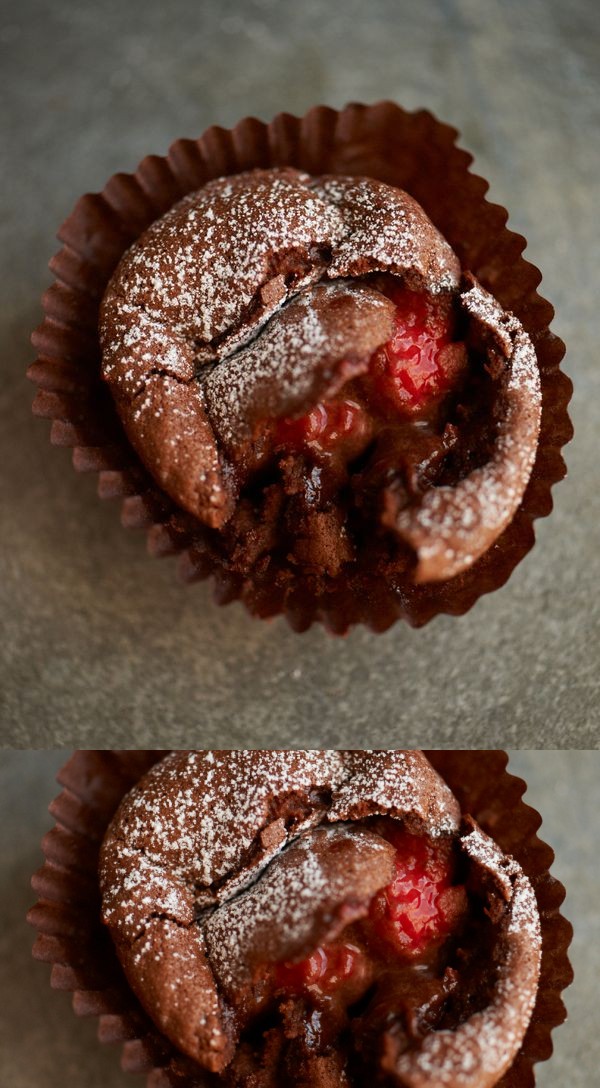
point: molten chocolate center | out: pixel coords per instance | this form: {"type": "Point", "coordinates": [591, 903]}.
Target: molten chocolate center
{"type": "Point", "coordinates": [388, 978]}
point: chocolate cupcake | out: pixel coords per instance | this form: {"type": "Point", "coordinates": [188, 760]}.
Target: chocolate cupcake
{"type": "Point", "coordinates": [335, 415]}
{"type": "Point", "coordinates": [327, 919]}
{"type": "Point", "coordinates": [301, 365]}
{"type": "Point", "coordinates": [311, 918]}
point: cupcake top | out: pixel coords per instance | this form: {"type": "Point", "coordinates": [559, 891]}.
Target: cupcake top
{"type": "Point", "coordinates": [304, 367]}
{"type": "Point", "coordinates": [320, 918]}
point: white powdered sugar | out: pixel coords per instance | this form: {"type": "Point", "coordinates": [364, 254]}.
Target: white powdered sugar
{"type": "Point", "coordinates": [197, 272]}
{"type": "Point", "coordinates": [280, 909]}
{"type": "Point", "coordinates": [199, 266]}
{"type": "Point", "coordinates": [203, 300]}
{"type": "Point", "coordinates": [204, 824]}
{"type": "Point", "coordinates": [391, 783]}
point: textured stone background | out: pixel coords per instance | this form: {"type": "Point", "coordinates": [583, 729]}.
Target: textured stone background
{"type": "Point", "coordinates": [101, 642]}
{"type": "Point", "coordinates": [42, 1043]}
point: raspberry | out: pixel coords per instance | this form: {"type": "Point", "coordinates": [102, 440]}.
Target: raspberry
{"type": "Point", "coordinates": [324, 970]}
{"type": "Point", "coordinates": [421, 905]}
{"type": "Point", "coordinates": [420, 362]}
{"type": "Point", "coordinates": [325, 426]}
{"type": "Point", "coordinates": [417, 366]}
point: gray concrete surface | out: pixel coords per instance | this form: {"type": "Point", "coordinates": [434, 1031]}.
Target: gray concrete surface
{"type": "Point", "coordinates": [100, 641]}
{"type": "Point", "coordinates": [42, 1043]}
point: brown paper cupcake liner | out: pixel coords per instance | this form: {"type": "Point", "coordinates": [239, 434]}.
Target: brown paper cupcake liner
{"type": "Point", "coordinates": [411, 150]}
{"type": "Point", "coordinates": [71, 937]}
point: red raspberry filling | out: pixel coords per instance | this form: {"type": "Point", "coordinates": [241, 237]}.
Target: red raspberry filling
{"type": "Point", "coordinates": [326, 969]}
{"type": "Point", "coordinates": [415, 368]}
{"type": "Point", "coordinates": [421, 906]}
{"type": "Point", "coordinates": [413, 915]}
{"type": "Point", "coordinates": [420, 362]}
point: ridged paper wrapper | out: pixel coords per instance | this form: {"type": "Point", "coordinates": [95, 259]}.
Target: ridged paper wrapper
{"type": "Point", "coordinates": [413, 151]}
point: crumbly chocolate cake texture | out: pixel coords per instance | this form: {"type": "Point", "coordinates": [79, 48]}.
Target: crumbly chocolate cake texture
{"type": "Point", "coordinates": [303, 366]}
{"type": "Point", "coordinates": [320, 918]}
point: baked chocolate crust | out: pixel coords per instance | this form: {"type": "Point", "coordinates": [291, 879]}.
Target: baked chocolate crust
{"type": "Point", "coordinates": [217, 862]}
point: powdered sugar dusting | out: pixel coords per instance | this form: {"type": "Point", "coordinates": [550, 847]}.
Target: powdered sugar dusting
{"type": "Point", "coordinates": [194, 819]}
{"type": "Point", "coordinates": [212, 271]}
{"type": "Point", "coordinates": [189, 830]}
{"type": "Point", "coordinates": [136, 346]}
{"type": "Point", "coordinates": [507, 875]}
{"type": "Point", "coordinates": [194, 834]}
{"type": "Point", "coordinates": [217, 860]}
{"type": "Point", "coordinates": [391, 783]}
{"type": "Point", "coordinates": [199, 267]}
{"type": "Point", "coordinates": [388, 232]}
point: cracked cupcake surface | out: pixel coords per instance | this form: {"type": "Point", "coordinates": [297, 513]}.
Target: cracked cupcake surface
{"type": "Point", "coordinates": [304, 367]}
{"type": "Point", "coordinates": [323, 919]}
